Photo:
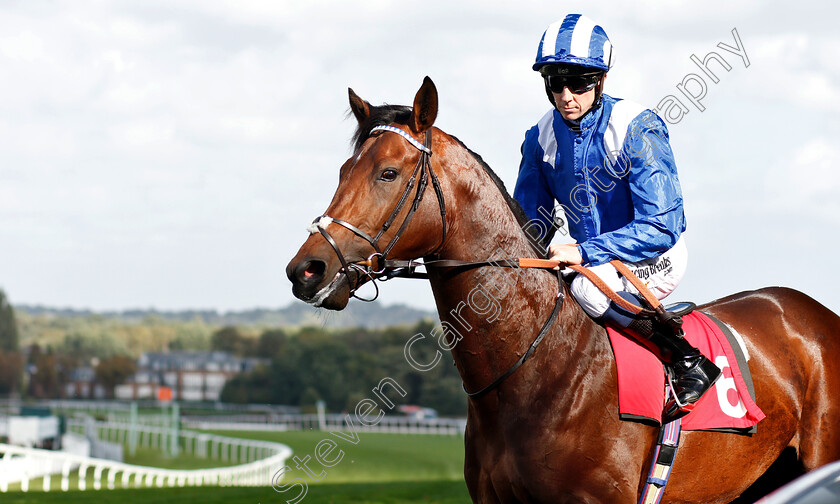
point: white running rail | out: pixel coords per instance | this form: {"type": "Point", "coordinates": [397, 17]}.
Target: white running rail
{"type": "Point", "coordinates": [199, 444]}
{"type": "Point", "coordinates": [19, 464]}
{"type": "Point", "coordinates": [329, 422]}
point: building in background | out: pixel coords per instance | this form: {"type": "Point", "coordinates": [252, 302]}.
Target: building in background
{"type": "Point", "coordinates": [191, 376]}
{"type": "Point", "coordinates": [82, 385]}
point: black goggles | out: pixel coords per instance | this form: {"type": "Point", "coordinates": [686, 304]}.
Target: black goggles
{"type": "Point", "coordinates": [577, 84]}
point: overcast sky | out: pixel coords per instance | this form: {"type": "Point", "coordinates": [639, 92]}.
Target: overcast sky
{"type": "Point", "coordinates": [170, 153]}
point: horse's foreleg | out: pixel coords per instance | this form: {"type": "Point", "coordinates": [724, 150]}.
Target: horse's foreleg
{"type": "Point", "coordinates": [477, 471]}
{"type": "Point", "coordinates": [479, 483]}
{"type": "Point", "coordinates": [482, 492]}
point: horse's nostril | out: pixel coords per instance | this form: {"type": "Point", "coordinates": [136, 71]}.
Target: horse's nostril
{"type": "Point", "coordinates": [310, 271]}
{"type": "Point", "coordinates": [314, 269]}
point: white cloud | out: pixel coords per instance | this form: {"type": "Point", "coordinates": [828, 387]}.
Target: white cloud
{"type": "Point", "coordinates": [24, 45]}
{"type": "Point", "coordinates": [189, 142]}
{"type": "Point", "coordinates": [801, 70]}
{"type": "Point", "coordinates": [810, 179]}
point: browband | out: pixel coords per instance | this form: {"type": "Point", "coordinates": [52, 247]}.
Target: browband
{"type": "Point", "coordinates": [405, 135]}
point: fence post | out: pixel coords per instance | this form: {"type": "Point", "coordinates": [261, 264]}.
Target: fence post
{"type": "Point", "coordinates": [322, 421]}
{"type": "Point", "coordinates": [24, 482]}
{"type": "Point", "coordinates": [4, 473]}
{"type": "Point", "coordinates": [176, 422]}
{"type": "Point", "coordinates": [83, 476]}
{"type": "Point", "coordinates": [97, 477]}
{"type": "Point", "coordinates": [112, 474]}
{"type": "Point", "coordinates": [65, 475]}
{"type": "Point", "coordinates": [132, 435]}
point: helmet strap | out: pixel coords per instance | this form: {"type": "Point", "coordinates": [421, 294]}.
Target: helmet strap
{"type": "Point", "coordinates": [599, 91]}
{"type": "Point", "coordinates": [550, 95]}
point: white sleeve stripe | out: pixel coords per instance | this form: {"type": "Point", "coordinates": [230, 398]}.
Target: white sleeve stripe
{"type": "Point", "coordinates": [623, 113]}
{"type": "Point", "coordinates": [547, 140]}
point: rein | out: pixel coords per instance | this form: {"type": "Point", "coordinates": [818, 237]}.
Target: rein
{"type": "Point", "coordinates": [558, 303]}
{"type": "Point", "coordinates": [406, 269]}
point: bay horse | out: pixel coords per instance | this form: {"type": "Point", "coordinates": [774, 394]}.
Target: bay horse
{"type": "Point", "coordinates": [550, 432]}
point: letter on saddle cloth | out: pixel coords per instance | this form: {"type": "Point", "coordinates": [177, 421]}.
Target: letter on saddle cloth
{"type": "Point", "coordinates": [729, 405]}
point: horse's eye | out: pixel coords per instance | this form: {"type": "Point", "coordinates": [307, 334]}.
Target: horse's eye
{"type": "Point", "coordinates": [388, 175]}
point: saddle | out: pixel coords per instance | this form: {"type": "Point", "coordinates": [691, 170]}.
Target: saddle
{"type": "Point", "coordinates": [643, 388]}
{"type": "Point", "coordinates": [643, 384]}
{"type": "Point", "coordinates": [643, 381]}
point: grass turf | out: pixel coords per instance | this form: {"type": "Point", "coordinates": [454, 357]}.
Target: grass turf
{"type": "Point", "coordinates": [373, 458]}
{"type": "Point", "coordinates": [373, 469]}
{"type": "Point", "coordinates": [406, 492]}
{"type": "Point", "coordinates": [156, 458]}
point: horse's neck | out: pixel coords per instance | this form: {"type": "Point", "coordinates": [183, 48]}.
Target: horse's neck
{"type": "Point", "coordinates": [493, 312]}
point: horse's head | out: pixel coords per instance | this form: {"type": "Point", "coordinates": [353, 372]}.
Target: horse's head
{"type": "Point", "coordinates": [378, 210]}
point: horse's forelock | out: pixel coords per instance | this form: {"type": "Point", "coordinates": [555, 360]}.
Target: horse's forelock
{"type": "Point", "coordinates": [379, 116]}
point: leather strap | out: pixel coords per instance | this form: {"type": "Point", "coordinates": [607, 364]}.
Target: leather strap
{"type": "Point", "coordinates": [622, 268]}
{"type": "Point", "coordinates": [558, 303]}
{"type": "Point", "coordinates": [407, 269]}
{"type": "Point", "coordinates": [614, 297]}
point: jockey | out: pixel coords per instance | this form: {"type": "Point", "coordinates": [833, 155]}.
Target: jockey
{"type": "Point", "coordinates": [608, 164]}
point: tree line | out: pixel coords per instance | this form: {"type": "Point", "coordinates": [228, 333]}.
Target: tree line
{"type": "Point", "coordinates": [304, 365]}
{"type": "Point", "coordinates": [341, 367]}
{"type": "Point", "coordinates": [11, 360]}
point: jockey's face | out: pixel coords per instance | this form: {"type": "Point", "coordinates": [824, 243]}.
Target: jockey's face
{"type": "Point", "coordinates": [573, 106]}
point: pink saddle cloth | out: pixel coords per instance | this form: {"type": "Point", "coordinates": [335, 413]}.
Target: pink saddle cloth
{"type": "Point", "coordinates": [729, 405]}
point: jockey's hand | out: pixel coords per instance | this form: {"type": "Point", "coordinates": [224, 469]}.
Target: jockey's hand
{"type": "Point", "coordinates": [567, 253]}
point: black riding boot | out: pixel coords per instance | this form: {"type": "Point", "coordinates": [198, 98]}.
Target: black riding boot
{"type": "Point", "coordinates": [694, 374]}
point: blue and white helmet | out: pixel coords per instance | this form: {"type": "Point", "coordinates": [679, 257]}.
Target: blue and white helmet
{"type": "Point", "coordinates": [576, 40]}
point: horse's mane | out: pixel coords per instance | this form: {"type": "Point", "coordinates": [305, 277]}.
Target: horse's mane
{"type": "Point", "coordinates": [514, 205]}
{"type": "Point", "coordinates": [388, 114]}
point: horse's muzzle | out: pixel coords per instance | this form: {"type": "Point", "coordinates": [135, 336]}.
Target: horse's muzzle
{"type": "Point", "coordinates": [310, 283]}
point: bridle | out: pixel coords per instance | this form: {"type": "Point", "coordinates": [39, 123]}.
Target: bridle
{"type": "Point", "coordinates": [377, 266]}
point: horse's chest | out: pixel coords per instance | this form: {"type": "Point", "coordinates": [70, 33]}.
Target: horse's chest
{"type": "Point", "coordinates": [543, 463]}
{"type": "Point", "coordinates": [520, 460]}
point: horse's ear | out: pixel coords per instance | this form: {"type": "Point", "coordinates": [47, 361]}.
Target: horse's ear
{"type": "Point", "coordinates": [360, 108]}
{"type": "Point", "coordinates": [425, 107]}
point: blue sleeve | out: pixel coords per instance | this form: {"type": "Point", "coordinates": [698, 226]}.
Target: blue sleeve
{"type": "Point", "coordinates": [658, 218]}
{"type": "Point", "coordinates": [532, 190]}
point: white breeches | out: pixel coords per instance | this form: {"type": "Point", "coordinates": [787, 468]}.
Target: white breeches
{"type": "Point", "coordinates": [661, 275]}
